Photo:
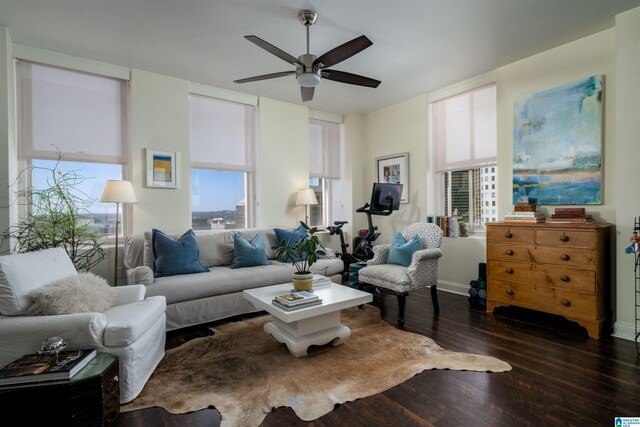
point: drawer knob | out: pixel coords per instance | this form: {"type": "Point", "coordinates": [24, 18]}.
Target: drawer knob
{"type": "Point", "coordinates": [508, 235]}
{"type": "Point", "coordinates": [509, 291]}
{"type": "Point", "coordinates": [564, 257]}
{"type": "Point", "coordinates": [509, 270]}
{"type": "Point", "coordinates": [509, 252]}
{"type": "Point", "coordinates": [565, 302]}
{"type": "Point", "coordinates": [564, 278]}
{"type": "Point", "coordinates": [115, 380]}
{"type": "Point", "coordinates": [564, 238]}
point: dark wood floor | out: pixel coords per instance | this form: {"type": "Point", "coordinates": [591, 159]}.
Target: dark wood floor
{"type": "Point", "coordinates": [560, 376]}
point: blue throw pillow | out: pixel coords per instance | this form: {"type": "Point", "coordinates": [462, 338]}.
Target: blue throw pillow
{"type": "Point", "coordinates": [175, 256]}
{"type": "Point", "coordinates": [292, 237]}
{"type": "Point", "coordinates": [402, 250]}
{"type": "Point", "coordinates": [248, 253]}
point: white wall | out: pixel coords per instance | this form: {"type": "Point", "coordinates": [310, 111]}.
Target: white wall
{"type": "Point", "coordinates": [627, 154]}
{"type": "Point", "coordinates": [160, 121]}
{"type": "Point", "coordinates": [283, 162]}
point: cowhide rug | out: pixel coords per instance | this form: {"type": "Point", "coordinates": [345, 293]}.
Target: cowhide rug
{"type": "Point", "coordinates": [244, 374]}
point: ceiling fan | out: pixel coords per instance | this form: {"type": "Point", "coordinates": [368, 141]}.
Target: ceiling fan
{"type": "Point", "coordinates": [311, 69]}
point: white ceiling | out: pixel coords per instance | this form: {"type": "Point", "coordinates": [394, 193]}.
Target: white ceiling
{"type": "Point", "coordinates": [418, 45]}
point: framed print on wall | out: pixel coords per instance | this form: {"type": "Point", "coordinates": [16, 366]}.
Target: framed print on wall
{"type": "Point", "coordinates": [161, 169]}
{"type": "Point", "coordinates": [394, 169]}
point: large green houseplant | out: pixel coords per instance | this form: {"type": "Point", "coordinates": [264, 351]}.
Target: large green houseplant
{"type": "Point", "coordinates": [303, 253]}
{"type": "Point", "coordinates": [55, 215]}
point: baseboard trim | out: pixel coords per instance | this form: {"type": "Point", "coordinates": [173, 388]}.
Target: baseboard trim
{"type": "Point", "coordinates": [453, 287]}
{"type": "Point", "coordinates": [624, 331]}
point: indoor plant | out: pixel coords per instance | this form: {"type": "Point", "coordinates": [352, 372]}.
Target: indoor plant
{"type": "Point", "coordinates": [303, 253]}
{"type": "Point", "coordinates": [55, 216]}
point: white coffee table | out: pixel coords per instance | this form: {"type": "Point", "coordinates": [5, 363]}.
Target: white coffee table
{"type": "Point", "coordinates": [317, 325]}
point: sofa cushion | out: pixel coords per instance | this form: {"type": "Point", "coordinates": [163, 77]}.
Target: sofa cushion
{"type": "Point", "coordinates": [248, 253]}
{"type": "Point", "coordinates": [78, 293]}
{"type": "Point", "coordinates": [225, 280]}
{"type": "Point", "coordinates": [128, 322]}
{"type": "Point", "coordinates": [175, 256]}
{"type": "Point", "coordinates": [23, 273]}
{"type": "Point", "coordinates": [402, 250]}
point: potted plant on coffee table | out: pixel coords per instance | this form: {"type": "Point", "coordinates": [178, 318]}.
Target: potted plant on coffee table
{"type": "Point", "coordinates": [303, 253]}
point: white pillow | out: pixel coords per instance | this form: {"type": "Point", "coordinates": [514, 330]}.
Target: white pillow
{"type": "Point", "coordinates": [80, 293]}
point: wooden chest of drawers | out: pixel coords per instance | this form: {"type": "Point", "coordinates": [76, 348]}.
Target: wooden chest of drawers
{"type": "Point", "coordinates": [555, 268]}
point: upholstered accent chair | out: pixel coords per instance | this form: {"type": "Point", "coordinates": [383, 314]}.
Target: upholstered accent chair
{"type": "Point", "coordinates": [134, 328]}
{"type": "Point", "coordinates": [421, 272]}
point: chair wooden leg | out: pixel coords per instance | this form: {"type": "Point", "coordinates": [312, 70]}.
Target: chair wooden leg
{"type": "Point", "coordinates": [434, 299]}
{"type": "Point", "coordinates": [402, 301]}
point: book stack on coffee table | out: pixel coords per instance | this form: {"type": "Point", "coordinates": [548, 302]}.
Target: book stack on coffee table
{"type": "Point", "coordinates": [296, 300]}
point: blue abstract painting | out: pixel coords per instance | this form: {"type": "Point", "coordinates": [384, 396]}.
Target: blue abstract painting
{"type": "Point", "coordinates": [557, 145]}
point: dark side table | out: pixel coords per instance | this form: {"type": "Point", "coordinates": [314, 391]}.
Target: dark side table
{"type": "Point", "coordinates": [90, 398]}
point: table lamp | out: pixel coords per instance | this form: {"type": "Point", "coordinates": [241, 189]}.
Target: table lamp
{"type": "Point", "coordinates": [117, 192]}
{"type": "Point", "coordinates": [306, 197]}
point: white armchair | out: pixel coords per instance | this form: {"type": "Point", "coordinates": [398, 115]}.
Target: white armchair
{"type": "Point", "coordinates": [421, 272]}
{"type": "Point", "coordinates": [133, 329]}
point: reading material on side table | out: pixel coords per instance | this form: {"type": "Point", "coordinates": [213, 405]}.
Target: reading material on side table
{"type": "Point", "coordinates": [33, 368]}
{"type": "Point", "coordinates": [89, 398]}
{"type": "Point", "coordinates": [296, 300]}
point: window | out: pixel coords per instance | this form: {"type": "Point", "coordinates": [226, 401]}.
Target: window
{"type": "Point", "coordinates": [464, 147]}
{"type": "Point", "coordinates": [324, 166]}
{"type": "Point", "coordinates": [222, 163]}
{"type": "Point", "coordinates": [81, 117]}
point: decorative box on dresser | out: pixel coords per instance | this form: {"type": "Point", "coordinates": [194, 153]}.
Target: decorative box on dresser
{"type": "Point", "coordinates": [555, 268]}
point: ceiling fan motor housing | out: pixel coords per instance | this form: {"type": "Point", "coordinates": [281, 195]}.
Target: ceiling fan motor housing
{"type": "Point", "coordinates": [307, 75]}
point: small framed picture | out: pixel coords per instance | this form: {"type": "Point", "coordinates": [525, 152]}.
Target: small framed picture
{"type": "Point", "coordinates": [394, 169]}
{"type": "Point", "coordinates": [161, 169]}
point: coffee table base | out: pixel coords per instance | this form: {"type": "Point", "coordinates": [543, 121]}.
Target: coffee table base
{"type": "Point", "coordinates": [318, 330]}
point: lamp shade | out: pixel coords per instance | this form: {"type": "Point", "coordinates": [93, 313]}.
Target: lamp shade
{"type": "Point", "coordinates": [118, 192]}
{"type": "Point", "coordinates": [306, 196]}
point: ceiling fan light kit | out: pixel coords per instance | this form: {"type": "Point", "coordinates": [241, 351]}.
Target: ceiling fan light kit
{"type": "Point", "coordinates": [311, 69]}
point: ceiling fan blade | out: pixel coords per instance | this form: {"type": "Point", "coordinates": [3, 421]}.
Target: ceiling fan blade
{"type": "Point", "coordinates": [352, 79]}
{"type": "Point", "coordinates": [307, 93]}
{"type": "Point", "coordinates": [273, 50]}
{"type": "Point", "coordinates": [265, 77]}
{"type": "Point", "coordinates": [342, 52]}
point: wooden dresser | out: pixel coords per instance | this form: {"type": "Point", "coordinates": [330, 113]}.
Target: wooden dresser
{"type": "Point", "coordinates": [555, 268]}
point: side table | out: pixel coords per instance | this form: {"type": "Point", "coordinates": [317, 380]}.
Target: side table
{"type": "Point", "coordinates": [90, 398]}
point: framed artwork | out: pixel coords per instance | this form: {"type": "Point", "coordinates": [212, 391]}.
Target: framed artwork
{"type": "Point", "coordinates": [394, 169]}
{"type": "Point", "coordinates": [557, 145]}
{"type": "Point", "coordinates": [161, 169]}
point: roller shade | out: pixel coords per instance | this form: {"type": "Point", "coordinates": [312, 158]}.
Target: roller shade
{"type": "Point", "coordinates": [82, 115]}
{"type": "Point", "coordinates": [465, 130]}
{"type": "Point", "coordinates": [324, 149]}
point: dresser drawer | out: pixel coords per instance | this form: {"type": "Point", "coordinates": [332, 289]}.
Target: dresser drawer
{"type": "Point", "coordinates": [570, 238]}
{"type": "Point", "coordinates": [566, 303]}
{"type": "Point", "coordinates": [545, 275]}
{"type": "Point", "coordinates": [570, 257]}
{"type": "Point", "coordinates": [507, 234]}
{"type": "Point", "coordinates": [509, 252]}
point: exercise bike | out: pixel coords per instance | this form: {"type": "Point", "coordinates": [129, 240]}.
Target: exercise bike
{"type": "Point", "coordinates": [385, 198]}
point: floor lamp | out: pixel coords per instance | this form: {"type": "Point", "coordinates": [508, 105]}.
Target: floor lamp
{"type": "Point", "coordinates": [117, 192]}
{"type": "Point", "coordinates": [306, 197]}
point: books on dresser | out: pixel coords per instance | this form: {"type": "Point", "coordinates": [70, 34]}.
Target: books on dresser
{"type": "Point", "coordinates": [33, 368]}
{"type": "Point", "coordinates": [570, 216]}
{"type": "Point", "coordinates": [296, 300]}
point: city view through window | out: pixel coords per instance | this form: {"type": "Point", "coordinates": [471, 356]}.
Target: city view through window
{"type": "Point", "coordinates": [218, 200]}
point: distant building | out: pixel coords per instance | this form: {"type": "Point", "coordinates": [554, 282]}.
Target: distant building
{"type": "Point", "coordinates": [240, 215]}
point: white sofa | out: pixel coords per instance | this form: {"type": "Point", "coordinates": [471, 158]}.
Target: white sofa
{"type": "Point", "coordinates": [133, 329]}
{"type": "Point", "coordinates": [217, 294]}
